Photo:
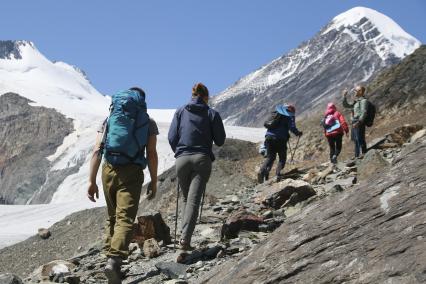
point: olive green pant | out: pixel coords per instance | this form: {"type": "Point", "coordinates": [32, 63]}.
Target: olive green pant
{"type": "Point", "coordinates": [122, 188]}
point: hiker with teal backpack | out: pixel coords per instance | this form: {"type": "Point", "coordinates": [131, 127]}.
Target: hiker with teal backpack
{"type": "Point", "coordinates": [363, 113]}
{"type": "Point", "coordinates": [335, 126]}
{"type": "Point", "coordinates": [192, 132]}
{"type": "Point", "coordinates": [281, 121]}
{"type": "Point", "coordinates": [127, 140]}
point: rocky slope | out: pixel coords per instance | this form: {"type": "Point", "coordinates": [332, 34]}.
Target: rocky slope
{"type": "Point", "coordinates": [402, 87]}
{"type": "Point", "coordinates": [335, 229]}
{"type": "Point", "coordinates": [372, 233]}
{"type": "Point", "coordinates": [351, 49]}
{"type": "Point", "coordinates": [28, 134]}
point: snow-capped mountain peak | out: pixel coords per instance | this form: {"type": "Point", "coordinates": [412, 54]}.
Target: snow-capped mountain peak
{"type": "Point", "coordinates": [349, 50]}
{"type": "Point", "coordinates": [26, 71]}
{"type": "Point", "coordinates": [368, 25]}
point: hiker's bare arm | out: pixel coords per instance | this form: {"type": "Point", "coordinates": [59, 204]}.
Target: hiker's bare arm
{"type": "Point", "coordinates": [152, 157]}
{"type": "Point", "coordinates": [95, 162]}
{"type": "Point", "coordinates": [346, 103]}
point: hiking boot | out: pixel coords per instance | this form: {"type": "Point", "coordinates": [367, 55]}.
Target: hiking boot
{"type": "Point", "coordinates": [113, 270]}
{"type": "Point", "coordinates": [260, 177]}
{"type": "Point", "coordinates": [184, 247]}
{"type": "Point", "coordinates": [334, 159]}
{"type": "Point", "coordinates": [279, 177]}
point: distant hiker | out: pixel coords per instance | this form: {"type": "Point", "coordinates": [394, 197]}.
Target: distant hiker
{"type": "Point", "coordinates": [127, 140]}
{"type": "Point", "coordinates": [362, 114]}
{"type": "Point", "coordinates": [280, 122]}
{"type": "Point", "coordinates": [335, 125]}
{"type": "Point", "coordinates": [194, 128]}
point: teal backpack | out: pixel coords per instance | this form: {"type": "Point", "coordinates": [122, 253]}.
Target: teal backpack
{"type": "Point", "coordinates": [127, 129]}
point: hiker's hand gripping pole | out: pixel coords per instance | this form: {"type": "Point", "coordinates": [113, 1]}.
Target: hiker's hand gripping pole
{"type": "Point", "coordinates": [295, 148]}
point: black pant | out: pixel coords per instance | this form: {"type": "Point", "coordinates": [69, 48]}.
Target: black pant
{"type": "Point", "coordinates": [359, 139]}
{"type": "Point", "coordinates": [335, 144]}
{"type": "Point", "coordinates": [274, 146]}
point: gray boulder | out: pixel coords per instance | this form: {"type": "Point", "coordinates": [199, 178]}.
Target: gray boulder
{"type": "Point", "coordinates": [54, 271]}
{"type": "Point", "coordinates": [44, 233]}
{"type": "Point", "coordinates": [371, 163]}
{"type": "Point", "coordinates": [171, 269]}
{"type": "Point", "coordinates": [9, 278]}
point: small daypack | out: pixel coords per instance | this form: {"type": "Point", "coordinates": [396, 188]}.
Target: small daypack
{"type": "Point", "coordinates": [127, 129]}
{"type": "Point", "coordinates": [329, 120]}
{"type": "Point", "coordinates": [273, 121]}
{"type": "Point", "coordinates": [330, 123]}
{"type": "Point", "coordinates": [371, 114]}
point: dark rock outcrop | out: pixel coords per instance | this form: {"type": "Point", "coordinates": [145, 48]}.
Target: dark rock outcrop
{"type": "Point", "coordinates": [28, 135]}
{"type": "Point", "coordinates": [9, 49]}
{"type": "Point", "coordinates": [402, 87]}
{"type": "Point", "coordinates": [151, 225]}
{"type": "Point", "coordinates": [286, 192]}
{"type": "Point", "coordinates": [240, 220]}
{"type": "Point", "coordinates": [372, 233]}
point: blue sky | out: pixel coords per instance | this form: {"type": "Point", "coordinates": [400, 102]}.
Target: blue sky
{"type": "Point", "coordinates": [167, 46]}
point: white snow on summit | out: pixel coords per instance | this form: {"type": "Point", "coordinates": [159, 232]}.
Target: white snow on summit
{"type": "Point", "coordinates": [54, 85]}
{"type": "Point", "coordinates": [398, 42]}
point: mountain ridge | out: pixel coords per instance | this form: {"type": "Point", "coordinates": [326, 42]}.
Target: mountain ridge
{"type": "Point", "coordinates": [310, 74]}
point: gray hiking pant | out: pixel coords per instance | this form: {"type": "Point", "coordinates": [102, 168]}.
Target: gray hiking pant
{"type": "Point", "coordinates": [193, 172]}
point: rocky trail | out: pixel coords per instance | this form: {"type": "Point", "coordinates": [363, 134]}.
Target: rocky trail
{"type": "Point", "coordinates": [354, 221]}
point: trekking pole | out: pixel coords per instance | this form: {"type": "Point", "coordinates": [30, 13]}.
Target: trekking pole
{"type": "Point", "coordinates": [295, 148]}
{"type": "Point", "coordinates": [176, 216]}
{"type": "Point", "coordinates": [202, 203]}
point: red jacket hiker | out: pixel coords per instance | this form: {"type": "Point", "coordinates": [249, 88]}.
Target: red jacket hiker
{"type": "Point", "coordinates": [331, 110]}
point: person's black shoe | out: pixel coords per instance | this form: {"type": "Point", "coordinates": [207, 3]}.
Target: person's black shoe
{"type": "Point", "coordinates": [260, 177]}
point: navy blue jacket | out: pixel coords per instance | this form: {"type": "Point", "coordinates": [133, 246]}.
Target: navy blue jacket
{"type": "Point", "coordinates": [194, 128]}
{"type": "Point", "coordinates": [287, 122]}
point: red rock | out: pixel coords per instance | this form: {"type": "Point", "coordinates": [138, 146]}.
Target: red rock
{"type": "Point", "coordinates": [240, 220]}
